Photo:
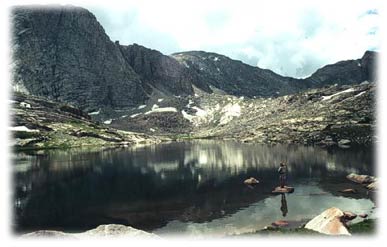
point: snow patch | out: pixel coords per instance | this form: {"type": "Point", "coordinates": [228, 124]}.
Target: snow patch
{"type": "Point", "coordinates": [25, 105]}
{"type": "Point", "coordinates": [190, 102]}
{"type": "Point", "coordinates": [216, 59]}
{"type": "Point", "coordinates": [135, 115]}
{"type": "Point", "coordinates": [22, 128]}
{"type": "Point", "coordinates": [109, 121]}
{"type": "Point", "coordinates": [324, 98]}
{"type": "Point", "coordinates": [95, 112]}
{"type": "Point", "coordinates": [361, 93]}
{"type": "Point", "coordinates": [230, 111]}
{"type": "Point", "coordinates": [199, 112]}
{"type": "Point", "coordinates": [358, 64]}
{"type": "Point", "coordinates": [187, 116]}
{"type": "Point", "coordinates": [152, 129]}
{"type": "Point", "coordinates": [160, 100]}
{"type": "Point", "coordinates": [141, 107]}
{"type": "Point", "coordinates": [162, 109]}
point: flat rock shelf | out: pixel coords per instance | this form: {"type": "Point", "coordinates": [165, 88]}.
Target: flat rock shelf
{"type": "Point", "coordinates": [279, 190]}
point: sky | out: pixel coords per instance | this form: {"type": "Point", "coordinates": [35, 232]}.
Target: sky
{"type": "Point", "coordinates": [292, 38]}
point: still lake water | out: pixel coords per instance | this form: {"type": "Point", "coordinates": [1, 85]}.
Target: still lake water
{"type": "Point", "coordinates": [183, 188]}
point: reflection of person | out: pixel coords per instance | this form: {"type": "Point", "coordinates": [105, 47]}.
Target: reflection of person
{"type": "Point", "coordinates": [282, 170]}
{"type": "Point", "coordinates": [284, 205]}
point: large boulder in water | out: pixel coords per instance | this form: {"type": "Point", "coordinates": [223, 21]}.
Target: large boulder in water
{"type": "Point", "coordinates": [361, 179]}
{"type": "Point", "coordinates": [329, 222]}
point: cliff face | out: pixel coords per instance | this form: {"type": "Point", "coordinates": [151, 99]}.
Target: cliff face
{"type": "Point", "coordinates": [159, 71]}
{"type": "Point", "coordinates": [64, 54]}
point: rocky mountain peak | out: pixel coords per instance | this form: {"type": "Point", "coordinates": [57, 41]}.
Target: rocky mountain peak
{"type": "Point", "coordinates": [346, 72]}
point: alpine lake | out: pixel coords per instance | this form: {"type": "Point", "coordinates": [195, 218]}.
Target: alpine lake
{"type": "Point", "coordinates": [192, 188]}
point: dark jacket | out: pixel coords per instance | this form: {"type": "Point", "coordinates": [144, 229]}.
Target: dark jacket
{"type": "Point", "coordinates": [282, 170]}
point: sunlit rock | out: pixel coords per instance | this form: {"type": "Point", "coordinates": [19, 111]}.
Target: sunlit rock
{"type": "Point", "coordinates": [361, 179]}
{"type": "Point", "coordinates": [110, 230]}
{"type": "Point", "coordinates": [251, 181]}
{"type": "Point", "coordinates": [329, 222]}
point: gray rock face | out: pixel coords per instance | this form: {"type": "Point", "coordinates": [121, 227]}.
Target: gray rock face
{"type": "Point", "coordinates": [63, 53]}
{"type": "Point", "coordinates": [369, 65]}
{"type": "Point", "coordinates": [159, 71]}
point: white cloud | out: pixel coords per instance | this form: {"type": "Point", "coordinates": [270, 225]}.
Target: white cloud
{"type": "Point", "coordinates": [289, 37]}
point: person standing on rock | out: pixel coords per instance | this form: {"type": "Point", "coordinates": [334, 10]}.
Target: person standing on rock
{"type": "Point", "coordinates": [282, 170]}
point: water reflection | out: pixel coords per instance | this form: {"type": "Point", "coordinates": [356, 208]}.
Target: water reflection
{"type": "Point", "coordinates": [284, 205]}
{"type": "Point", "coordinates": [306, 202]}
{"type": "Point", "coordinates": [156, 187]}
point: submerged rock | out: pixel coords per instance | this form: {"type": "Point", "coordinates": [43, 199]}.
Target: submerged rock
{"type": "Point", "coordinates": [280, 223]}
{"type": "Point", "coordinates": [251, 181]}
{"type": "Point", "coordinates": [349, 216]}
{"type": "Point", "coordinates": [361, 179]}
{"type": "Point", "coordinates": [286, 189]}
{"type": "Point", "coordinates": [329, 222]}
{"type": "Point", "coordinates": [349, 191]}
{"type": "Point", "coordinates": [363, 216]}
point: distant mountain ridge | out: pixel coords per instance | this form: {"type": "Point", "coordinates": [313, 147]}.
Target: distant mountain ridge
{"type": "Point", "coordinates": [64, 54]}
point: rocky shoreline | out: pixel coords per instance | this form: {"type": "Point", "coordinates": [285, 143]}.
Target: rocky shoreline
{"type": "Point", "coordinates": [337, 116]}
{"type": "Point", "coordinates": [334, 225]}
{"type": "Point", "coordinates": [102, 231]}
{"type": "Point", "coordinates": [38, 123]}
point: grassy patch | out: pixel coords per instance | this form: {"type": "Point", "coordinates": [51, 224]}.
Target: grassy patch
{"type": "Point", "coordinates": [25, 134]}
{"type": "Point", "coordinates": [365, 227]}
{"type": "Point", "coordinates": [273, 231]}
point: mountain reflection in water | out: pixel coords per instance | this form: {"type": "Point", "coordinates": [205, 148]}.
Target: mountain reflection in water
{"type": "Point", "coordinates": [183, 187]}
